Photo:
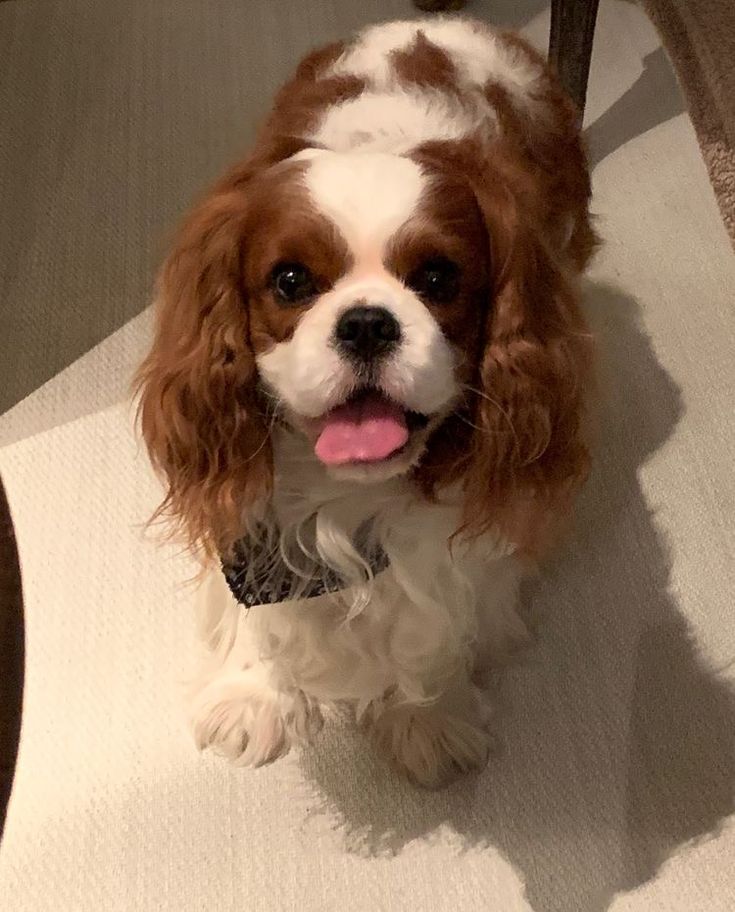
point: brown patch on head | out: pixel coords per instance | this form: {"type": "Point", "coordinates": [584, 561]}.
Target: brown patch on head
{"type": "Point", "coordinates": [448, 228]}
{"type": "Point", "coordinates": [284, 227]}
{"type": "Point", "coordinates": [425, 65]}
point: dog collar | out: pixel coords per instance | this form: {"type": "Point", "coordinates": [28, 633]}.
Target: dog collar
{"type": "Point", "coordinates": [258, 574]}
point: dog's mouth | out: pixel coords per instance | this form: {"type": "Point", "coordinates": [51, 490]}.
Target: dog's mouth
{"type": "Point", "coordinates": [369, 427]}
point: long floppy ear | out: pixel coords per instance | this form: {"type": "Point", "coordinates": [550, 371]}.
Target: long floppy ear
{"type": "Point", "coordinates": [527, 452]}
{"type": "Point", "coordinates": [199, 412]}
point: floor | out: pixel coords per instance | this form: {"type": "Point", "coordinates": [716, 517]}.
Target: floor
{"type": "Point", "coordinates": [613, 785]}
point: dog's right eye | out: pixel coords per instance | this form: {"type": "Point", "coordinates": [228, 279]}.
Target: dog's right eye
{"type": "Point", "coordinates": [292, 282]}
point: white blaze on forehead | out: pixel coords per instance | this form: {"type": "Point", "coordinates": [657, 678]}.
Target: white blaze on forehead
{"type": "Point", "coordinates": [368, 195]}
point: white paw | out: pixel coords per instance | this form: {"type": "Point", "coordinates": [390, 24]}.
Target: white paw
{"type": "Point", "coordinates": [242, 716]}
{"type": "Point", "coordinates": [429, 744]}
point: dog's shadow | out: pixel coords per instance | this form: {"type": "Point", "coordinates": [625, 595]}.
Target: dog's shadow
{"type": "Point", "coordinates": [617, 739]}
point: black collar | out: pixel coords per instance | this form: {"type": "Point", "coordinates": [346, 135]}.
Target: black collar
{"type": "Point", "coordinates": [258, 574]}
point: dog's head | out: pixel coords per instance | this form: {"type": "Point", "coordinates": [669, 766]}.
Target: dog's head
{"type": "Point", "coordinates": [402, 313]}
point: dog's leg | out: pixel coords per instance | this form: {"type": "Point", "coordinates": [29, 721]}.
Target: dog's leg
{"type": "Point", "coordinates": [238, 704]}
{"type": "Point", "coordinates": [433, 743]}
{"type": "Point", "coordinates": [244, 717]}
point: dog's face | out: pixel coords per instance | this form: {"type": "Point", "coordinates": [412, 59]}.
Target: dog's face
{"type": "Point", "coordinates": [400, 312]}
{"type": "Point", "coordinates": [366, 297]}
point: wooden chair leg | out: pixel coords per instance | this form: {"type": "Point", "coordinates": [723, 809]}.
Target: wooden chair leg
{"type": "Point", "coordinates": [570, 45]}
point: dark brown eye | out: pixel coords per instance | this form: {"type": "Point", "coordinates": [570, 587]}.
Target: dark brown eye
{"type": "Point", "coordinates": [436, 280]}
{"type": "Point", "coordinates": [292, 282]}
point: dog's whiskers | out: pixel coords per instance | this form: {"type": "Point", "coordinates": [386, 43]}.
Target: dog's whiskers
{"type": "Point", "coordinates": [498, 406]}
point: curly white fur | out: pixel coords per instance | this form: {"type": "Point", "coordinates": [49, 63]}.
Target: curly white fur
{"type": "Point", "coordinates": [401, 648]}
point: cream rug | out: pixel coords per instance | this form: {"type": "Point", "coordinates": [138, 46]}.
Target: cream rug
{"type": "Point", "coordinates": [613, 784]}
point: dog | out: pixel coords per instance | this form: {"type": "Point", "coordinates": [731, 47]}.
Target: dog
{"type": "Point", "coordinates": [367, 389]}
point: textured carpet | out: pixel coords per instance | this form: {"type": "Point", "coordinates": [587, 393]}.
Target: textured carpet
{"type": "Point", "coordinates": [612, 787]}
{"type": "Point", "coordinates": [699, 36]}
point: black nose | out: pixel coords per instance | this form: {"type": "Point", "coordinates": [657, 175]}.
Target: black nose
{"type": "Point", "coordinates": [367, 332]}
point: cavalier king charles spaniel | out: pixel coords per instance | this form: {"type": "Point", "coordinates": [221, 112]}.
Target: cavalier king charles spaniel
{"type": "Point", "coordinates": [366, 391]}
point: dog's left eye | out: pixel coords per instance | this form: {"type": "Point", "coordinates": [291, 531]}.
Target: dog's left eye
{"type": "Point", "coordinates": [436, 280]}
{"type": "Point", "coordinates": [292, 282]}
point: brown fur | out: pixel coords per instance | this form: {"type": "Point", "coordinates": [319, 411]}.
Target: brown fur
{"type": "Point", "coordinates": [285, 228]}
{"type": "Point", "coordinates": [425, 65]}
{"type": "Point", "coordinates": [205, 429]}
{"type": "Point", "coordinates": [449, 223]}
{"type": "Point", "coordinates": [302, 100]}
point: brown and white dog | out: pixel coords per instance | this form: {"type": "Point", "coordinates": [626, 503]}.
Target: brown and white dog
{"type": "Point", "coordinates": [372, 323]}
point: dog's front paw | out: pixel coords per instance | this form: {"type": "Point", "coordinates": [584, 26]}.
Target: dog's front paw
{"type": "Point", "coordinates": [243, 717]}
{"type": "Point", "coordinates": [429, 744]}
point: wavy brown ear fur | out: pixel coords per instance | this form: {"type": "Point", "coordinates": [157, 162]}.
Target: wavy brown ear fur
{"type": "Point", "coordinates": [518, 446]}
{"type": "Point", "coordinates": [528, 454]}
{"type": "Point", "coordinates": [199, 412]}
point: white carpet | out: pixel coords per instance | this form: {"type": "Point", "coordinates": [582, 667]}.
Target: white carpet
{"type": "Point", "coordinates": [613, 787]}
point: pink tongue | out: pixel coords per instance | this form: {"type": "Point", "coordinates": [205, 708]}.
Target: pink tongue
{"type": "Point", "coordinates": [367, 430]}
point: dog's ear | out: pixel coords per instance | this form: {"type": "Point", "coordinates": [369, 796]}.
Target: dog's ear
{"type": "Point", "coordinates": [527, 452]}
{"type": "Point", "coordinates": [517, 445]}
{"type": "Point", "coordinates": [199, 410]}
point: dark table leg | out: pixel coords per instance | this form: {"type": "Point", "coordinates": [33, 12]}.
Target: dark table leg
{"type": "Point", "coordinates": [570, 44]}
{"type": "Point", "coordinates": [11, 654]}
